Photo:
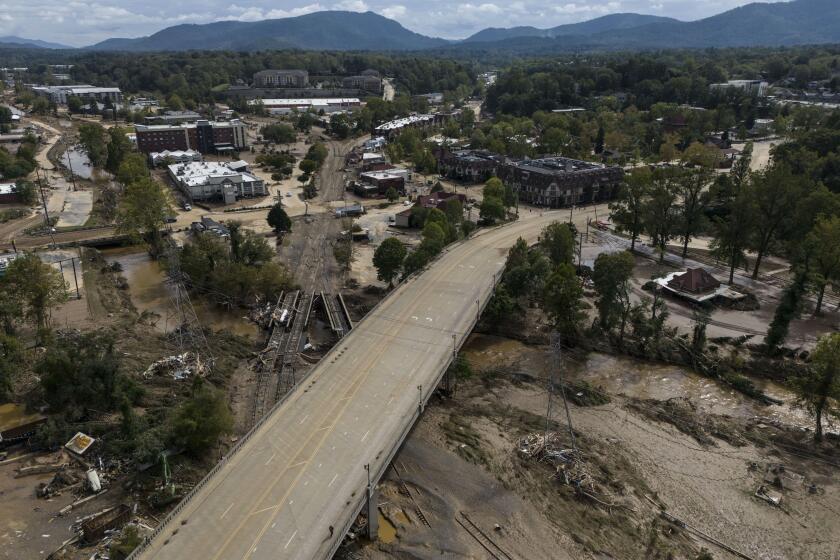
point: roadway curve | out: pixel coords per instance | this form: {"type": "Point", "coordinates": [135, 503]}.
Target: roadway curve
{"type": "Point", "coordinates": [302, 470]}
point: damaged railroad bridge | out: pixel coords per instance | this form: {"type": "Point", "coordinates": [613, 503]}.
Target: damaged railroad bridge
{"type": "Point", "coordinates": [294, 485]}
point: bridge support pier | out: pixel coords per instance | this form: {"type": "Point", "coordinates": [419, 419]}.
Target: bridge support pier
{"type": "Point", "coordinates": [372, 509]}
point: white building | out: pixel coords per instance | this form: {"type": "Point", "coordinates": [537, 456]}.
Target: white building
{"type": "Point", "coordinates": [210, 179]}
{"type": "Point", "coordinates": [174, 156]}
{"type": "Point", "coordinates": [85, 92]}
{"type": "Point", "coordinates": [752, 87]}
{"type": "Point", "coordinates": [326, 104]}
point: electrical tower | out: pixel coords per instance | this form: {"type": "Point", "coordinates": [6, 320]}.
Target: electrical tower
{"type": "Point", "coordinates": [188, 331]}
{"type": "Point", "coordinates": [557, 368]}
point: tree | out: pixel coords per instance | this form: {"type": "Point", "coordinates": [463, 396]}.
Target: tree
{"type": "Point", "coordinates": [611, 275]}
{"type": "Point", "coordinates": [201, 420]}
{"type": "Point", "coordinates": [818, 387]}
{"type": "Point", "coordinates": [691, 189]}
{"type": "Point", "coordinates": [491, 210]}
{"type": "Point", "coordinates": [37, 286]}
{"type": "Point", "coordinates": [308, 166]}
{"type": "Point", "coordinates": [80, 374]}
{"type": "Point", "coordinates": [731, 231]}
{"type": "Point", "coordinates": [627, 211]}
{"type": "Point", "coordinates": [659, 217]}
{"type": "Point", "coordinates": [74, 104]}
{"type": "Point", "coordinates": [774, 194]}
{"type": "Point", "coordinates": [119, 147]}
{"type": "Point", "coordinates": [143, 211]}
{"type": "Point", "coordinates": [563, 301]}
{"type": "Point", "coordinates": [786, 311]}
{"type": "Point", "coordinates": [434, 238]}
{"type": "Point", "coordinates": [278, 219]}
{"type": "Point", "coordinates": [175, 103]}
{"type": "Point", "coordinates": [132, 168]}
{"type": "Point", "coordinates": [11, 361]}
{"type": "Point", "coordinates": [494, 189]}
{"type": "Point", "coordinates": [388, 259]}
{"type": "Point", "coordinates": [559, 241]}
{"type": "Point", "coordinates": [392, 195]}
{"type": "Point", "coordinates": [823, 244]}
{"type": "Point", "coordinates": [278, 133]}
{"type": "Point", "coordinates": [92, 139]}
{"type": "Point", "coordinates": [246, 247]}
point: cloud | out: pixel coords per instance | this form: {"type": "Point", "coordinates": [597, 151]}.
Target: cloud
{"type": "Point", "coordinates": [394, 12]}
{"type": "Point", "coordinates": [352, 6]}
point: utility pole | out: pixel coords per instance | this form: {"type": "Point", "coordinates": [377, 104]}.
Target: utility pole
{"type": "Point", "coordinates": [46, 210]}
{"type": "Point", "coordinates": [557, 347]}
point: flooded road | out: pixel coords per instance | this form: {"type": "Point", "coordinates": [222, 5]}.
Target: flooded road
{"type": "Point", "coordinates": [150, 292]}
{"type": "Point", "coordinates": [636, 379]}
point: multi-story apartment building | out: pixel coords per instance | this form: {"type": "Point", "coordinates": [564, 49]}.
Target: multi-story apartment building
{"type": "Point", "coordinates": [204, 136]}
{"type": "Point", "coordinates": [557, 181]}
{"type": "Point", "coordinates": [281, 79]}
{"type": "Point", "coordinates": [87, 93]}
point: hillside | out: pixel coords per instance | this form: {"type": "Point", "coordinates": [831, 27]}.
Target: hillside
{"type": "Point", "coordinates": [29, 43]}
{"type": "Point", "coordinates": [333, 30]}
{"type": "Point", "coordinates": [598, 25]}
{"type": "Point", "coordinates": [798, 22]}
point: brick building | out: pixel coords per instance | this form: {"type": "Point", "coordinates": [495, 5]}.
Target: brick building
{"type": "Point", "coordinates": [203, 136]}
{"type": "Point", "coordinates": [473, 166]}
{"type": "Point", "coordinates": [559, 181]}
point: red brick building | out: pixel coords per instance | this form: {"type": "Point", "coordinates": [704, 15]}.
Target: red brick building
{"type": "Point", "coordinates": [207, 137]}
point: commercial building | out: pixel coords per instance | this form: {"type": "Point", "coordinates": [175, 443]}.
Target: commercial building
{"type": "Point", "coordinates": [752, 87]}
{"type": "Point", "coordinates": [394, 128]}
{"type": "Point", "coordinates": [173, 117]}
{"type": "Point", "coordinates": [326, 104]}
{"type": "Point", "coordinates": [369, 80]}
{"type": "Point", "coordinates": [215, 180]}
{"type": "Point", "coordinates": [472, 166]}
{"type": "Point", "coordinates": [87, 93]}
{"type": "Point", "coordinates": [697, 286]}
{"type": "Point", "coordinates": [9, 194]}
{"type": "Point", "coordinates": [281, 78]}
{"type": "Point", "coordinates": [384, 180]}
{"type": "Point", "coordinates": [176, 156]}
{"type": "Point", "coordinates": [559, 181]}
{"type": "Point", "coordinates": [203, 136]}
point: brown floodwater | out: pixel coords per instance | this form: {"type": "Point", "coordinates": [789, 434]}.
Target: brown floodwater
{"type": "Point", "coordinates": [637, 379]}
{"type": "Point", "coordinates": [150, 292]}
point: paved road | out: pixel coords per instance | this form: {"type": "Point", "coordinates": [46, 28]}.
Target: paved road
{"type": "Point", "coordinates": [302, 470]}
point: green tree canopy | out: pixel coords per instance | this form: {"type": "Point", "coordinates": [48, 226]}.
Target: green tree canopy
{"type": "Point", "coordinates": [818, 387]}
{"type": "Point", "coordinates": [278, 219]}
{"type": "Point", "coordinates": [388, 259]}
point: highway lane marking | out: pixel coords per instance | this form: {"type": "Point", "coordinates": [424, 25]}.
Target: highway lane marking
{"type": "Point", "coordinates": [364, 437]}
{"type": "Point", "coordinates": [271, 458]}
{"type": "Point", "coordinates": [333, 480]}
{"type": "Point", "coordinates": [302, 420]}
{"type": "Point", "coordinates": [226, 511]}
{"type": "Point", "coordinates": [290, 540]}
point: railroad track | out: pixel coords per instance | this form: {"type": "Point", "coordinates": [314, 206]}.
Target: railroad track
{"type": "Point", "coordinates": [482, 538]}
{"type": "Point", "coordinates": [267, 379]}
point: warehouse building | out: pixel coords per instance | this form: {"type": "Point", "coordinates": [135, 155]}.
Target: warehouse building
{"type": "Point", "coordinates": [204, 136]}
{"type": "Point", "coordinates": [87, 93]}
{"type": "Point", "coordinates": [557, 181]}
{"type": "Point", "coordinates": [283, 106]}
{"type": "Point", "coordinates": [214, 180]}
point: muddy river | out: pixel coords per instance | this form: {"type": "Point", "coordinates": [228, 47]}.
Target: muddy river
{"type": "Point", "coordinates": [622, 375]}
{"type": "Point", "coordinates": [150, 292]}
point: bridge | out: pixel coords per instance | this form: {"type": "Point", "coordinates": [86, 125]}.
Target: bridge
{"type": "Point", "coordinates": [294, 485]}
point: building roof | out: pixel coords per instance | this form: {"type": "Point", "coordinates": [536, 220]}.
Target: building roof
{"type": "Point", "coordinates": [405, 121]}
{"type": "Point", "coordinates": [292, 72]}
{"type": "Point", "coordinates": [177, 126]}
{"type": "Point", "coordinates": [197, 173]}
{"type": "Point", "coordinates": [307, 102]}
{"type": "Point", "coordinates": [556, 165]}
{"type": "Point", "coordinates": [694, 280]}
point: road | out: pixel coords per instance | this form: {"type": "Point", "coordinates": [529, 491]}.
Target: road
{"type": "Point", "coordinates": [302, 471]}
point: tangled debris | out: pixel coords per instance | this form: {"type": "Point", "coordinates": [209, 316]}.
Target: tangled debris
{"type": "Point", "coordinates": [179, 366]}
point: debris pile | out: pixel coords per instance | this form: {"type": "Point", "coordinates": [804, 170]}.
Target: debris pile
{"type": "Point", "coordinates": [179, 366]}
{"type": "Point", "coordinates": [569, 464]}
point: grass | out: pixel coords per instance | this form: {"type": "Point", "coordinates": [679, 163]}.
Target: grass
{"type": "Point", "coordinates": [12, 214]}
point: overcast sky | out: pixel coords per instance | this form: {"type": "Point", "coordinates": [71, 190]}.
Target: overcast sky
{"type": "Point", "coordinates": [79, 23]}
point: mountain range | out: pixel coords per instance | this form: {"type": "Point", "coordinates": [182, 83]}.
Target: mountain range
{"type": "Point", "coordinates": [796, 22]}
{"type": "Point", "coordinates": [12, 40]}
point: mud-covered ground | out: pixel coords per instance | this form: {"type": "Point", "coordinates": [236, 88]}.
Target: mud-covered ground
{"type": "Point", "coordinates": [642, 453]}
